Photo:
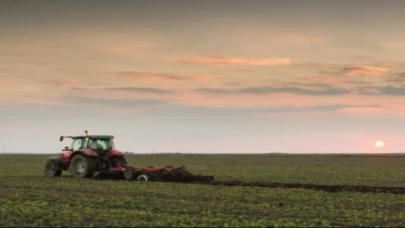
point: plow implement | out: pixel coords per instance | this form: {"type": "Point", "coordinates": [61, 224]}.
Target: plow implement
{"type": "Point", "coordinates": [166, 174]}
{"type": "Point", "coordinates": [169, 174]}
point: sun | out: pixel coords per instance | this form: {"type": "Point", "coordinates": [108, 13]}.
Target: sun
{"type": "Point", "coordinates": [379, 144]}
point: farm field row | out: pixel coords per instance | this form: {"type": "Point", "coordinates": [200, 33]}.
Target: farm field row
{"type": "Point", "coordinates": [27, 198]}
{"type": "Point", "coordinates": [48, 202]}
{"type": "Point", "coordinates": [373, 170]}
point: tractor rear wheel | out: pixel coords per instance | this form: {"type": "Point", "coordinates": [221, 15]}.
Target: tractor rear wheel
{"type": "Point", "coordinates": [83, 167]}
{"type": "Point", "coordinates": [51, 169]}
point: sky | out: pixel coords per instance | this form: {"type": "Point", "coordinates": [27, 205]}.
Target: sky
{"type": "Point", "coordinates": [253, 76]}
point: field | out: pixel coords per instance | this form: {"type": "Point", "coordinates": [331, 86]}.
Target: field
{"type": "Point", "coordinates": [296, 191]}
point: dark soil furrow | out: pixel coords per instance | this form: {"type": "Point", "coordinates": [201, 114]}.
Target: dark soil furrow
{"type": "Point", "coordinates": [317, 187]}
{"type": "Point", "coordinates": [326, 188]}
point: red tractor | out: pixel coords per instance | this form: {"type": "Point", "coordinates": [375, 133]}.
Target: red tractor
{"type": "Point", "coordinates": [95, 156]}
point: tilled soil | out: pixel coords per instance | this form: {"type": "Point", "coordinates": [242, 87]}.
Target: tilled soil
{"type": "Point", "coordinates": [326, 188]}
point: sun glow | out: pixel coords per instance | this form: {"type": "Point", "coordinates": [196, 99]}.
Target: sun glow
{"type": "Point", "coordinates": [379, 144]}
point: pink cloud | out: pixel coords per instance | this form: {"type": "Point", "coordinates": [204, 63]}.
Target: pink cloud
{"type": "Point", "coordinates": [63, 83]}
{"type": "Point", "coordinates": [151, 76]}
{"type": "Point", "coordinates": [358, 70]}
{"type": "Point", "coordinates": [161, 77]}
{"type": "Point", "coordinates": [207, 77]}
{"type": "Point", "coordinates": [320, 79]}
{"type": "Point", "coordinates": [388, 64]}
{"type": "Point", "coordinates": [230, 60]}
{"type": "Point", "coordinates": [365, 70]}
{"type": "Point", "coordinates": [192, 98]}
{"type": "Point", "coordinates": [70, 82]}
{"type": "Point", "coordinates": [222, 98]}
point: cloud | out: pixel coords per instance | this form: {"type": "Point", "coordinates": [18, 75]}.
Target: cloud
{"type": "Point", "coordinates": [268, 111]}
{"type": "Point", "coordinates": [363, 110]}
{"type": "Point", "coordinates": [232, 84]}
{"type": "Point", "coordinates": [316, 90]}
{"type": "Point", "coordinates": [112, 102]}
{"type": "Point", "coordinates": [357, 82]}
{"type": "Point", "coordinates": [383, 110]}
{"type": "Point", "coordinates": [181, 109]}
{"type": "Point", "coordinates": [396, 78]}
{"type": "Point", "coordinates": [245, 98]}
{"type": "Point", "coordinates": [323, 81]}
{"type": "Point", "coordinates": [140, 90]}
{"type": "Point", "coordinates": [63, 83]}
{"type": "Point", "coordinates": [166, 109]}
{"type": "Point", "coordinates": [126, 89]}
{"type": "Point", "coordinates": [269, 90]}
{"type": "Point", "coordinates": [207, 77]}
{"type": "Point", "coordinates": [393, 90]}
{"type": "Point", "coordinates": [242, 61]}
{"type": "Point", "coordinates": [107, 106]}
{"type": "Point", "coordinates": [78, 88]}
{"type": "Point", "coordinates": [326, 81]}
{"type": "Point", "coordinates": [357, 70]}
{"type": "Point", "coordinates": [328, 112]}
{"type": "Point", "coordinates": [151, 76]}
{"type": "Point", "coordinates": [162, 77]}
{"type": "Point", "coordinates": [381, 90]}
{"type": "Point", "coordinates": [317, 108]}
{"type": "Point", "coordinates": [364, 70]}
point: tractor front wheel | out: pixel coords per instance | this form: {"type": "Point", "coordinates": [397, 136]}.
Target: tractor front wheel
{"type": "Point", "coordinates": [51, 169]}
{"type": "Point", "coordinates": [83, 167]}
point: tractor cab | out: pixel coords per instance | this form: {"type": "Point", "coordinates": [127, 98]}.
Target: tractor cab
{"type": "Point", "coordinates": [97, 143]}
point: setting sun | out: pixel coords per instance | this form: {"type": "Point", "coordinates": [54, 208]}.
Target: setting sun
{"type": "Point", "coordinates": [379, 144]}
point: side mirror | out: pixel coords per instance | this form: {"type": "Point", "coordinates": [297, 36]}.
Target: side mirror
{"type": "Point", "coordinates": [61, 138]}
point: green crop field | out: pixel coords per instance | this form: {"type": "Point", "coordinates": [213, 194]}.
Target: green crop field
{"type": "Point", "coordinates": [28, 198]}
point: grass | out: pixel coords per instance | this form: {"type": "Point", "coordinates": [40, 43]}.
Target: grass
{"type": "Point", "coordinates": [27, 198]}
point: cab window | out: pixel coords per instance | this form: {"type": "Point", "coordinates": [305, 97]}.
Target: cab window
{"type": "Point", "coordinates": [77, 144]}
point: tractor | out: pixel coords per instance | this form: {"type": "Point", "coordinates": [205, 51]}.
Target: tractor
{"type": "Point", "coordinates": [92, 156]}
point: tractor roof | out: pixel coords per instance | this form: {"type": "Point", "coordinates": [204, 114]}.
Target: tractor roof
{"type": "Point", "coordinates": [88, 136]}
